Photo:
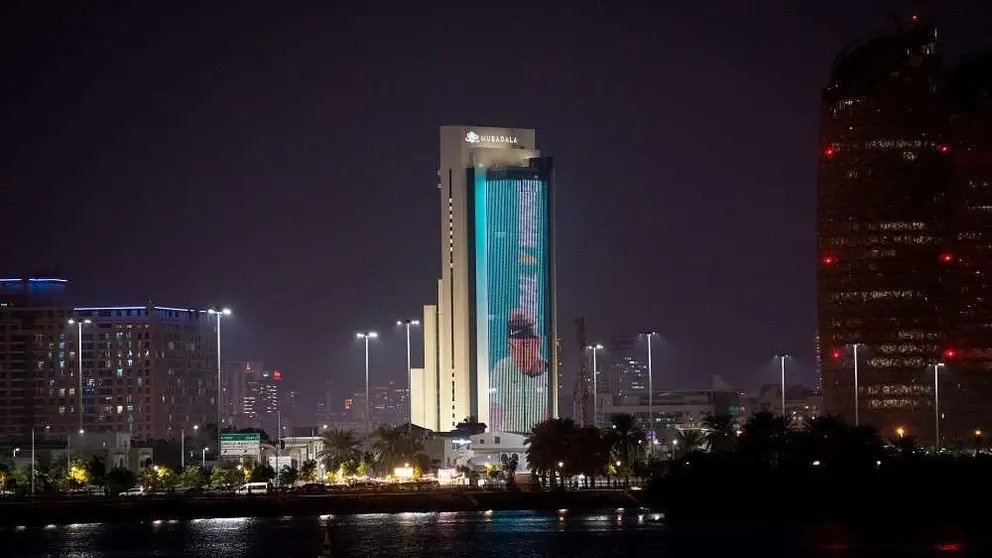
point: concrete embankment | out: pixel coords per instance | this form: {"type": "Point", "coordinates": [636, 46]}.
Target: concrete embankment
{"type": "Point", "coordinates": [99, 510]}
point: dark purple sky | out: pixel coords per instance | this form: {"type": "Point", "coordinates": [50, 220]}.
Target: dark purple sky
{"type": "Point", "coordinates": [282, 161]}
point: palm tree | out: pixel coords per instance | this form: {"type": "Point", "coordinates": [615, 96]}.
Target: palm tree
{"type": "Point", "coordinates": [509, 464]}
{"type": "Point", "coordinates": [340, 446]}
{"type": "Point", "coordinates": [763, 437]}
{"type": "Point", "coordinates": [548, 445]}
{"type": "Point", "coordinates": [721, 432]}
{"type": "Point", "coordinates": [688, 441]}
{"type": "Point", "coordinates": [395, 446]}
{"type": "Point", "coordinates": [626, 437]}
{"type": "Point", "coordinates": [590, 454]}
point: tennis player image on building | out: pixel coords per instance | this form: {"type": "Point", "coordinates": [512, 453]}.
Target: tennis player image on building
{"type": "Point", "coordinates": [519, 381]}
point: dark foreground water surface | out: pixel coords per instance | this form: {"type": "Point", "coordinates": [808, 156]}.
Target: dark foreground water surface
{"type": "Point", "coordinates": [511, 534]}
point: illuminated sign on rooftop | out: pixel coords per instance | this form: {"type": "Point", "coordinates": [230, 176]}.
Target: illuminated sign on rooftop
{"type": "Point", "coordinates": [473, 138]}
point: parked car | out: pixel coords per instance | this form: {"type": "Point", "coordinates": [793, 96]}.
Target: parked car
{"type": "Point", "coordinates": [253, 488]}
{"type": "Point", "coordinates": [136, 491]}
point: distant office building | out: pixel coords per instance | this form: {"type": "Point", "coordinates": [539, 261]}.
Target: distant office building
{"type": "Point", "coordinates": [490, 343]}
{"type": "Point", "coordinates": [326, 409]}
{"type": "Point", "coordinates": [627, 372]}
{"type": "Point", "coordinates": [290, 406]}
{"type": "Point", "coordinates": [801, 404]}
{"type": "Point", "coordinates": [35, 349]}
{"type": "Point", "coordinates": [390, 404]}
{"type": "Point", "coordinates": [235, 381]}
{"type": "Point", "coordinates": [261, 404]}
{"type": "Point", "coordinates": [677, 409]}
{"type": "Point", "coordinates": [148, 371]}
{"type": "Point", "coordinates": [903, 235]}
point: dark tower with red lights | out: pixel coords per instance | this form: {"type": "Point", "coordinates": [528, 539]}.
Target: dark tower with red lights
{"type": "Point", "coordinates": [904, 232]}
{"type": "Point", "coordinates": [883, 206]}
{"type": "Point", "coordinates": [966, 395]}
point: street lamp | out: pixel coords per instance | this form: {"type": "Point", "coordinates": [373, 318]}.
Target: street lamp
{"type": "Point", "coordinates": [649, 335]}
{"type": "Point", "coordinates": [203, 458]}
{"type": "Point", "coordinates": [79, 359]}
{"type": "Point", "coordinates": [15, 452]}
{"type": "Point", "coordinates": [782, 358]}
{"type": "Point", "coordinates": [409, 371]}
{"type": "Point", "coordinates": [182, 445]}
{"type": "Point", "coordinates": [218, 312]}
{"type": "Point", "coordinates": [595, 387]}
{"type": "Point", "coordinates": [936, 405]}
{"type": "Point", "coordinates": [366, 335]}
{"type": "Point", "coordinates": [857, 403]}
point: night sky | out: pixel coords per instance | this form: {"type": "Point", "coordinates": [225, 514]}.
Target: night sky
{"type": "Point", "coordinates": [280, 158]}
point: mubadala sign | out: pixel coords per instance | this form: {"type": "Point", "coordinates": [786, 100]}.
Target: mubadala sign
{"type": "Point", "coordinates": [473, 137]}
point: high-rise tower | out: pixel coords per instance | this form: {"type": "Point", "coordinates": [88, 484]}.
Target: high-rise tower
{"type": "Point", "coordinates": [905, 237]}
{"type": "Point", "coordinates": [492, 353]}
{"type": "Point", "coordinates": [882, 207]}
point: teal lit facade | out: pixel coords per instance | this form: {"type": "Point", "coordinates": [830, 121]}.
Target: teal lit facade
{"type": "Point", "coordinates": [513, 280]}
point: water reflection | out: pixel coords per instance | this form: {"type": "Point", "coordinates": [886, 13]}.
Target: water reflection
{"type": "Point", "coordinates": [495, 533]}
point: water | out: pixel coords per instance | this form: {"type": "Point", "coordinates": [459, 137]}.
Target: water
{"type": "Point", "coordinates": [515, 534]}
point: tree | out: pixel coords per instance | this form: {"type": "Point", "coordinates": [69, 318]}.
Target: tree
{"type": "Point", "coordinates": [548, 449]}
{"type": "Point", "coordinates": [627, 439]}
{"type": "Point", "coordinates": [262, 473]}
{"type": "Point", "coordinates": [509, 464]}
{"type": "Point", "coordinates": [688, 441]}
{"type": "Point", "coordinates": [363, 469]}
{"type": "Point", "coordinates": [394, 447]}
{"type": "Point", "coordinates": [288, 475]}
{"type": "Point", "coordinates": [340, 446]}
{"type": "Point", "coordinates": [192, 477]}
{"type": "Point", "coordinates": [120, 479]}
{"type": "Point", "coordinates": [721, 432]}
{"type": "Point", "coordinates": [308, 471]}
{"type": "Point", "coordinates": [224, 475]}
{"type": "Point", "coordinates": [78, 474]}
{"type": "Point", "coordinates": [763, 438]}
{"type": "Point", "coordinates": [590, 453]}
{"type": "Point", "coordinates": [96, 470]}
{"type": "Point", "coordinates": [147, 478]}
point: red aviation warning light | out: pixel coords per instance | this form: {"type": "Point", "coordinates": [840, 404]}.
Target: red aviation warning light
{"type": "Point", "coordinates": [828, 259]}
{"type": "Point", "coordinates": [277, 375]}
{"type": "Point", "coordinates": [950, 354]}
{"type": "Point", "coordinates": [836, 354]}
{"type": "Point", "coordinates": [829, 151]}
{"type": "Point", "coordinates": [943, 148]}
{"type": "Point", "coordinates": [946, 257]}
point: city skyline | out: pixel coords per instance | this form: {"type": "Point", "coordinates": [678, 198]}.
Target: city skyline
{"type": "Point", "coordinates": [204, 242]}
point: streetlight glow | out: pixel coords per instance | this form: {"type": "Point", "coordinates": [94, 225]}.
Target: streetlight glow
{"type": "Point", "coordinates": [595, 388]}
{"type": "Point", "coordinates": [366, 335]}
{"type": "Point", "coordinates": [782, 357]}
{"type": "Point", "coordinates": [407, 324]}
{"type": "Point", "coordinates": [649, 335]}
{"type": "Point", "coordinates": [79, 360]}
{"type": "Point", "coordinates": [218, 312]}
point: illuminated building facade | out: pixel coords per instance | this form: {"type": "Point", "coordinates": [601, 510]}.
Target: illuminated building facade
{"type": "Point", "coordinates": [235, 392]}
{"type": "Point", "coordinates": [903, 248]}
{"type": "Point", "coordinates": [490, 342]}
{"type": "Point", "coordinates": [149, 371]}
{"type": "Point", "coordinates": [35, 350]}
{"type": "Point", "coordinates": [628, 366]}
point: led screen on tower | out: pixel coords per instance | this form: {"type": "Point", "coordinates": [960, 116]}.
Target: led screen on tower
{"type": "Point", "coordinates": [513, 296]}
